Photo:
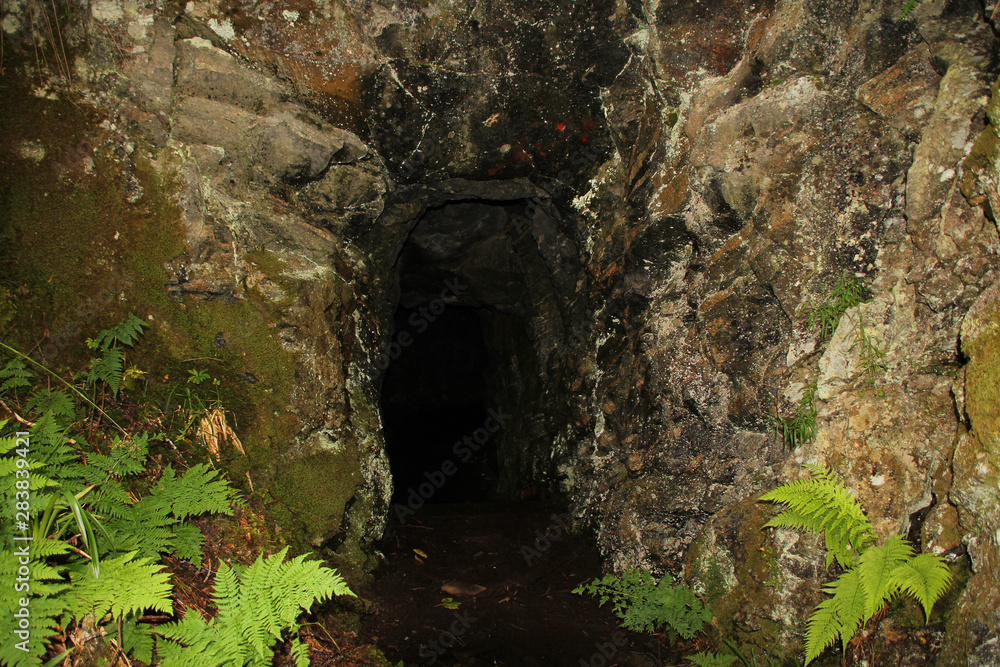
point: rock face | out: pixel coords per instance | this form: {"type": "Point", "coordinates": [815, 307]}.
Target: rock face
{"type": "Point", "coordinates": [646, 200]}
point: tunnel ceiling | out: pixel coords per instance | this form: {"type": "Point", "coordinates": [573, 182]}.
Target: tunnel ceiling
{"type": "Point", "coordinates": [468, 242]}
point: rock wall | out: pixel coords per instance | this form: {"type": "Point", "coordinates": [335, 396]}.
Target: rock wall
{"type": "Point", "coordinates": [666, 190]}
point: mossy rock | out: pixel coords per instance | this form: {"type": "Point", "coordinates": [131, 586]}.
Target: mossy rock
{"type": "Point", "coordinates": [756, 591]}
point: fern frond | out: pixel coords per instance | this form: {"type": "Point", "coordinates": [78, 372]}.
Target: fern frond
{"type": "Point", "coordinates": [127, 457]}
{"type": "Point", "coordinates": [46, 605]}
{"type": "Point", "coordinates": [58, 403]}
{"type": "Point", "coordinates": [108, 369]}
{"type": "Point", "coordinates": [821, 504]}
{"type": "Point", "coordinates": [15, 375]}
{"type": "Point", "coordinates": [822, 629]}
{"type": "Point", "coordinates": [43, 625]}
{"type": "Point", "coordinates": [126, 333]}
{"type": "Point", "coordinates": [300, 652]}
{"type": "Point", "coordinates": [907, 8]}
{"type": "Point", "coordinates": [127, 585]}
{"type": "Point", "coordinates": [706, 659]}
{"type": "Point", "coordinates": [198, 491]}
{"type": "Point", "coordinates": [926, 577]}
{"type": "Point", "coordinates": [187, 543]}
{"type": "Point", "coordinates": [849, 602]}
{"type": "Point", "coordinates": [646, 606]}
{"type": "Point", "coordinates": [255, 605]}
{"type": "Point", "coordinates": [875, 567]}
{"type": "Point", "coordinates": [137, 640]}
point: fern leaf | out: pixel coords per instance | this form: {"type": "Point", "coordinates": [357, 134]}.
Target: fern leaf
{"type": "Point", "coordinates": [875, 567]}
{"type": "Point", "coordinates": [43, 624]}
{"type": "Point", "coordinates": [108, 369]}
{"type": "Point", "coordinates": [926, 577]}
{"type": "Point", "coordinates": [849, 601]}
{"type": "Point", "coordinates": [126, 333]}
{"type": "Point", "coordinates": [823, 629]}
{"type": "Point", "coordinates": [57, 402]}
{"type": "Point", "coordinates": [256, 605]}
{"type": "Point", "coordinates": [196, 492]}
{"type": "Point", "coordinates": [127, 585]}
{"type": "Point", "coordinates": [15, 375]}
{"type": "Point", "coordinates": [45, 605]}
{"type": "Point", "coordinates": [706, 659]}
{"type": "Point", "coordinates": [127, 457]}
{"type": "Point", "coordinates": [821, 504]}
{"type": "Point", "coordinates": [187, 543]}
{"type": "Point", "coordinates": [908, 7]}
{"type": "Point", "coordinates": [137, 640]}
{"type": "Point", "coordinates": [300, 652]}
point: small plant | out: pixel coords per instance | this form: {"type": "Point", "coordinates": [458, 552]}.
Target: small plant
{"type": "Point", "coordinates": [707, 659]}
{"type": "Point", "coordinates": [93, 518]}
{"type": "Point", "coordinates": [870, 352]}
{"type": "Point", "coordinates": [256, 606]}
{"type": "Point", "coordinates": [908, 7]}
{"type": "Point", "coordinates": [645, 605]}
{"type": "Point", "coordinates": [872, 575]}
{"type": "Point", "coordinates": [110, 368]}
{"type": "Point", "coordinates": [800, 428]}
{"type": "Point", "coordinates": [848, 292]}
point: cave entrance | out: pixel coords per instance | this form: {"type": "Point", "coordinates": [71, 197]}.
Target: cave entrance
{"type": "Point", "coordinates": [483, 357]}
{"type": "Point", "coordinates": [439, 430]}
{"type": "Point", "coordinates": [482, 366]}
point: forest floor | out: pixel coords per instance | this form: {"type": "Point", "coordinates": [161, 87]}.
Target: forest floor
{"type": "Point", "coordinates": [526, 614]}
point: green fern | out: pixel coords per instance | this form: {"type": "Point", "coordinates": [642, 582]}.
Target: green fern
{"type": "Point", "coordinates": [15, 375]}
{"type": "Point", "coordinates": [70, 498]}
{"type": "Point", "coordinates": [873, 574]}
{"type": "Point", "coordinates": [645, 605]}
{"type": "Point", "coordinates": [847, 292]}
{"type": "Point", "coordinates": [801, 427]}
{"type": "Point", "coordinates": [126, 585]}
{"type": "Point", "coordinates": [706, 659]}
{"type": "Point", "coordinates": [256, 605]}
{"type": "Point", "coordinates": [95, 546]}
{"type": "Point", "coordinates": [111, 366]}
{"type": "Point", "coordinates": [908, 7]}
{"type": "Point", "coordinates": [125, 334]}
{"type": "Point", "coordinates": [821, 504]}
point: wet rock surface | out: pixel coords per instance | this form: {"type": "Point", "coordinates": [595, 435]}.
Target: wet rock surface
{"type": "Point", "coordinates": [645, 200]}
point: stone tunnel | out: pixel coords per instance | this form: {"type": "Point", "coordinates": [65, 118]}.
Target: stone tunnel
{"type": "Point", "coordinates": [564, 252]}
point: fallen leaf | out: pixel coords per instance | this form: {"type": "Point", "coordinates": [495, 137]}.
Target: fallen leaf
{"type": "Point", "coordinates": [462, 588]}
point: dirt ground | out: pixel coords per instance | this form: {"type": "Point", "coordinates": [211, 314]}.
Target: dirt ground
{"type": "Point", "coordinates": [526, 615]}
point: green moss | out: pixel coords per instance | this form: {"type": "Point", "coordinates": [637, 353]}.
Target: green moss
{"type": "Point", "coordinates": [982, 384]}
{"type": "Point", "coordinates": [314, 490]}
{"type": "Point", "coordinates": [87, 230]}
{"type": "Point", "coordinates": [87, 236]}
{"type": "Point", "coordinates": [741, 599]}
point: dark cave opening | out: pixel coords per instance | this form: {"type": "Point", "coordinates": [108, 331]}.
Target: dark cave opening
{"type": "Point", "coordinates": [475, 365]}
{"type": "Point", "coordinates": [437, 416]}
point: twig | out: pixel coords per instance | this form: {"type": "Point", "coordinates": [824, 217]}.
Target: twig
{"type": "Point", "coordinates": [30, 424]}
{"type": "Point", "coordinates": [68, 385]}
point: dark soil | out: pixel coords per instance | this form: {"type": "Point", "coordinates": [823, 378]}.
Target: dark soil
{"type": "Point", "coordinates": [527, 615]}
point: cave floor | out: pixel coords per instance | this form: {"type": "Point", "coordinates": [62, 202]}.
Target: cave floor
{"type": "Point", "coordinates": [526, 615]}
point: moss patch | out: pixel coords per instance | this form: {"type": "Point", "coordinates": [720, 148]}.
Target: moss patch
{"type": "Point", "coordinates": [982, 374]}
{"type": "Point", "coordinates": [87, 232]}
{"type": "Point", "coordinates": [315, 490]}
{"type": "Point", "coordinates": [734, 562]}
